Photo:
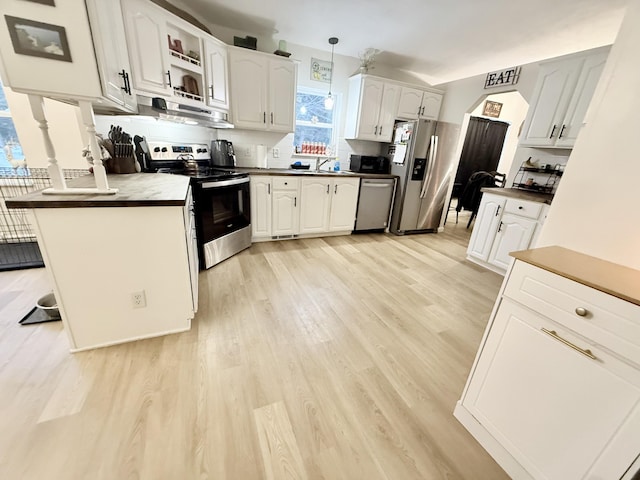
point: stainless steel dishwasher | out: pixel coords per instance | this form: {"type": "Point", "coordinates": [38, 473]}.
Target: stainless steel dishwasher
{"type": "Point", "coordinates": [374, 203]}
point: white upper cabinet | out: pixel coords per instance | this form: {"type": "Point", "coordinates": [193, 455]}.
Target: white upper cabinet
{"type": "Point", "coordinates": [371, 108]}
{"type": "Point", "coordinates": [263, 91]}
{"type": "Point", "coordinates": [415, 103]}
{"type": "Point", "coordinates": [560, 100]}
{"type": "Point", "coordinates": [147, 40]}
{"type": "Point", "coordinates": [107, 27]}
{"type": "Point", "coordinates": [217, 73]}
{"type": "Point", "coordinates": [94, 66]}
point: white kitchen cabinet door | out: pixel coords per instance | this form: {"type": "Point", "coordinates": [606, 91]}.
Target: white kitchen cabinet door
{"type": "Point", "coordinates": [486, 226]}
{"type": "Point", "coordinates": [217, 75]}
{"type": "Point", "coordinates": [192, 248]}
{"type": "Point", "coordinates": [147, 39]}
{"type": "Point", "coordinates": [581, 99]}
{"type": "Point", "coordinates": [388, 108]}
{"type": "Point", "coordinates": [315, 200]}
{"type": "Point", "coordinates": [285, 213]}
{"type": "Point", "coordinates": [410, 103]}
{"type": "Point", "coordinates": [514, 233]}
{"type": "Point", "coordinates": [552, 94]}
{"type": "Point", "coordinates": [249, 73]}
{"type": "Point", "coordinates": [431, 103]}
{"type": "Point", "coordinates": [369, 114]}
{"type": "Point", "coordinates": [559, 413]}
{"type": "Point", "coordinates": [260, 206]}
{"type": "Point", "coordinates": [282, 96]}
{"type": "Point", "coordinates": [109, 40]}
{"type": "Point", "coordinates": [344, 203]}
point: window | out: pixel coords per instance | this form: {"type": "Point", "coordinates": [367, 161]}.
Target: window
{"type": "Point", "coordinates": [10, 150]}
{"type": "Point", "coordinates": [314, 123]}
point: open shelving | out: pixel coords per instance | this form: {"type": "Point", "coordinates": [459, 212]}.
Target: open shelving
{"type": "Point", "coordinates": [550, 177]}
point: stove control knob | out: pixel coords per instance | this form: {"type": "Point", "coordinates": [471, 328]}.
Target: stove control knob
{"type": "Point", "coordinates": [164, 149]}
{"type": "Point", "coordinates": [157, 149]}
{"type": "Point", "coordinates": [199, 150]}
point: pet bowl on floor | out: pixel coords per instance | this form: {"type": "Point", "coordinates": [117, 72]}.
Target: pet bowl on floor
{"type": "Point", "coordinates": [49, 305]}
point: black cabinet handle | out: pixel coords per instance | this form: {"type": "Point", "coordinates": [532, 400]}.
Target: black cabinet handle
{"type": "Point", "coordinates": [562, 131]}
{"type": "Point", "coordinates": [335, 191]}
{"type": "Point", "coordinates": [268, 189]}
{"type": "Point", "coordinates": [125, 79]}
{"type": "Point", "coordinates": [375, 132]}
{"type": "Point", "coordinates": [295, 201]}
{"type": "Point", "coordinates": [264, 117]}
{"type": "Point", "coordinates": [419, 109]}
{"type": "Point", "coordinates": [553, 130]}
{"type": "Point", "coordinates": [422, 113]}
{"type": "Point", "coordinates": [169, 77]}
{"type": "Point", "coordinates": [380, 131]}
{"type": "Point", "coordinates": [498, 210]}
{"type": "Point", "coordinates": [271, 118]}
{"type": "Point", "coordinates": [327, 189]}
{"type": "Point", "coordinates": [499, 227]}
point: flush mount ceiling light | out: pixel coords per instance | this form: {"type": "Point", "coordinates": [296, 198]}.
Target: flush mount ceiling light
{"type": "Point", "coordinates": [328, 102]}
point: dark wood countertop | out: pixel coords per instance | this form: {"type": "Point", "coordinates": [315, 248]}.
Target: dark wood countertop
{"type": "Point", "coordinates": [134, 190]}
{"type": "Point", "coordinates": [617, 280]}
{"type": "Point", "coordinates": [306, 173]}
{"type": "Point", "coordinates": [520, 194]}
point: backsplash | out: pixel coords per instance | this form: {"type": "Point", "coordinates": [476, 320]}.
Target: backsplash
{"type": "Point", "coordinates": [154, 129]}
{"type": "Point", "coordinates": [252, 147]}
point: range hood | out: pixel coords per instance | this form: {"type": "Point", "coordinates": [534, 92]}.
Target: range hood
{"type": "Point", "coordinates": [158, 107]}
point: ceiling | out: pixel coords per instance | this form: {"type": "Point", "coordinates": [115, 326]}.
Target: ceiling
{"type": "Point", "coordinates": [439, 40]}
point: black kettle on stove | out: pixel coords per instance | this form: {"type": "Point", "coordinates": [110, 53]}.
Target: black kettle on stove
{"type": "Point", "coordinates": [222, 154]}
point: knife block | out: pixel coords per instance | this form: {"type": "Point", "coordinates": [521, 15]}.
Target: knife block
{"type": "Point", "coordinates": [121, 165]}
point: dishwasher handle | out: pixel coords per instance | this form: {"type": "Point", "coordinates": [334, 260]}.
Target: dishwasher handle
{"type": "Point", "coordinates": [374, 184]}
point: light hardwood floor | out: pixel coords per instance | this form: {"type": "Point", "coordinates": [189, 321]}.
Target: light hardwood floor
{"type": "Point", "coordinates": [335, 358]}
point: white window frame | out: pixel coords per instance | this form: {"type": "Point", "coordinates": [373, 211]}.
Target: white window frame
{"type": "Point", "coordinates": [336, 112]}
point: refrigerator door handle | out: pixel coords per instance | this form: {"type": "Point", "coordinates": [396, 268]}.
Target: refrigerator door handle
{"type": "Point", "coordinates": [433, 148]}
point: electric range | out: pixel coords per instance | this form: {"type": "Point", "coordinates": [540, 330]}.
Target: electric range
{"type": "Point", "coordinates": [221, 198]}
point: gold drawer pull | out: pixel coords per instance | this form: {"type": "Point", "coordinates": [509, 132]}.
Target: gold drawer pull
{"type": "Point", "coordinates": [581, 311]}
{"type": "Point", "coordinates": [585, 352]}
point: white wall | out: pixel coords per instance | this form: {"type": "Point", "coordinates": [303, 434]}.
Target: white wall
{"type": "Point", "coordinates": [595, 210]}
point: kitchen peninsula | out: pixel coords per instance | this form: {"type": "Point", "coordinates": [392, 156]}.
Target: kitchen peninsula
{"type": "Point", "coordinates": [123, 266]}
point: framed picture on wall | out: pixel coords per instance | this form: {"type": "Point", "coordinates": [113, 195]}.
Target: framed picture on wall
{"type": "Point", "coordinates": [38, 39]}
{"type": "Point", "coordinates": [492, 109]}
{"type": "Point", "coordinates": [51, 3]}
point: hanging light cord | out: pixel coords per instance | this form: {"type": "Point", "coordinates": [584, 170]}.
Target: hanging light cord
{"type": "Point", "coordinates": [328, 102]}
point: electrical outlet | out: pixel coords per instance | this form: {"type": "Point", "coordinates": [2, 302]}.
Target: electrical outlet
{"type": "Point", "coordinates": [138, 299]}
{"type": "Point", "coordinates": [276, 153]}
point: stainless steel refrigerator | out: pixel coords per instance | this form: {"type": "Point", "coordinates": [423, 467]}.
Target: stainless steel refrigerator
{"type": "Point", "coordinates": [424, 174]}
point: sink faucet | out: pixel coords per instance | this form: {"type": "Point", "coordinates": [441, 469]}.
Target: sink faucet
{"type": "Point", "coordinates": [319, 163]}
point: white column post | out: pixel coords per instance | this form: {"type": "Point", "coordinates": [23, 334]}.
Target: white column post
{"type": "Point", "coordinates": [89, 121]}
{"type": "Point", "coordinates": [55, 172]}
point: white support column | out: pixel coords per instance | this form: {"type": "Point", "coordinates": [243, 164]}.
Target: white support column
{"type": "Point", "coordinates": [89, 121]}
{"type": "Point", "coordinates": [55, 172]}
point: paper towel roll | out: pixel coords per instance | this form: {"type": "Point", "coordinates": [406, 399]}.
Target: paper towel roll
{"type": "Point", "coordinates": [261, 156]}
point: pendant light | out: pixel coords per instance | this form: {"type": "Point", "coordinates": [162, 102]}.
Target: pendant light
{"type": "Point", "coordinates": [328, 101]}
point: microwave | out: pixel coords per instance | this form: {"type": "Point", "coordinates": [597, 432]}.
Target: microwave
{"type": "Point", "coordinates": [369, 164]}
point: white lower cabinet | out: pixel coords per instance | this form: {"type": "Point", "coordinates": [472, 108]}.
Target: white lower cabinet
{"type": "Point", "coordinates": [344, 203]}
{"type": "Point", "coordinates": [260, 206]}
{"type": "Point", "coordinates": [285, 206]}
{"type": "Point", "coordinates": [315, 205]}
{"type": "Point", "coordinates": [504, 225]}
{"type": "Point", "coordinates": [549, 402]}
{"type": "Point", "coordinates": [514, 233]}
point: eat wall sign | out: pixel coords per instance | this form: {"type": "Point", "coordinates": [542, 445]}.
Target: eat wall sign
{"type": "Point", "coordinates": [508, 76]}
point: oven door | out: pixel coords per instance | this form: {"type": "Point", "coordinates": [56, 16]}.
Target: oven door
{"type": "Point", "coordinates": [223, 218]}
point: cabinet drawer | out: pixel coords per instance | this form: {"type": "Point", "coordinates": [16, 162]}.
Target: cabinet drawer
{"type": "Point", "coordinates": [285, 183]}
{"type": "Point", "coordinates": [523, 208]}
{"type": "Point", "coordinates": [608, 321]}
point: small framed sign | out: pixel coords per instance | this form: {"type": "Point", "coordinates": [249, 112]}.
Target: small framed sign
{"type": "Point", "coordinates": [320, 70]}
{"type": "Point", "coordinates": [38, 39]}
{"type": "Point", "coordinates": [492, 109]}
